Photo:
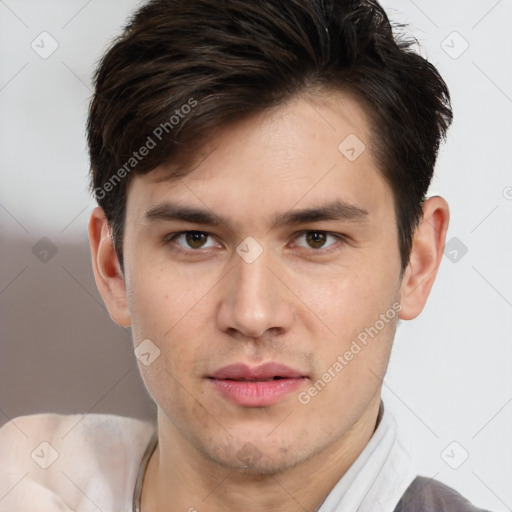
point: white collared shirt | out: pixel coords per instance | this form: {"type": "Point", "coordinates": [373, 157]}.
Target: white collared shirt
{"type": "Point", "coordinates": [64, 463]}
{"type": "Point", "coordinates": [378, 477]}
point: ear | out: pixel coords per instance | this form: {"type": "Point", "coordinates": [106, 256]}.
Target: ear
{"type": "Point", "coordinates": [107, 270]}
{"type": "Point", "coordinates": [426, 255]}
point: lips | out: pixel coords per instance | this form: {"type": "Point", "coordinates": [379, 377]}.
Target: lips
{"type": "Point", "coordinates": [267, 371]}
{"type": "Point", "coordinates": [257, 386]}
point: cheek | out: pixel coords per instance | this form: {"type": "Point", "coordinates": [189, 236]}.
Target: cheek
{"type": "Point", "coordinates": [348, 301]}
{"type": "Point", "coordinates": [174, 310]}
{"type": "Point", "coordinates": [161, 297]}
{"type": "Point", "coordinates": [352, 362]}
{"type": "Point", "coordinates": [356, 311]}
{"type": "Point", "coordinates": [169, 312]}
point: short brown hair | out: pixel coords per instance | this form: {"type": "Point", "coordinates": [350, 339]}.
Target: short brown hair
{"type": "Point", "coordinates": [182, 68]}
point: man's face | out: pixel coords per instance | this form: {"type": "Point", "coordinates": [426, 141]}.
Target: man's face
{"type": "Point", "coordinates": [298, 293]}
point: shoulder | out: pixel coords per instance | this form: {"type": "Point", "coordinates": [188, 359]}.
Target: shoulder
{"type": "Point", "coordinates": [72, 434]}
{"type": "Point", "coordinates": [428, 495]}
{"type": "Point", "coordinates": [55, 424]}
{"type": "Point", "coordinates": [55, 458]}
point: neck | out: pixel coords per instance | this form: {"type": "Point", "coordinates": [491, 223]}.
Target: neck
{"type": "Point", "coordinates": [180, 478]}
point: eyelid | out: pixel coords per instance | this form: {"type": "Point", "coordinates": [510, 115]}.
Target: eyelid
{"type": "Point", "coordinates": [338, 236]}
{"type": "Point", "coordinates": [172, 236]}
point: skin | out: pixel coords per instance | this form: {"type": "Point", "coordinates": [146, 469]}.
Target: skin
{"type": "Point", "coordinates": [299, 303]}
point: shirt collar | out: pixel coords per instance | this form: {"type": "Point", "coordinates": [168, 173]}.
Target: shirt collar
{"type": "Point", "coordinates": [378, 477]}
{"type": "Point", "coordinates": [375, 481]}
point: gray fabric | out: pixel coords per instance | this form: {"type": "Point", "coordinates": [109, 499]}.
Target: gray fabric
{"type": "Point", "coordinates": [428, 495]}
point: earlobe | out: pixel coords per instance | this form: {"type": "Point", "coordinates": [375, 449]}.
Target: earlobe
{"type": "Point", "coordinates": [426, 255]}
{"type": "Point", "coordinates": [107, 270]}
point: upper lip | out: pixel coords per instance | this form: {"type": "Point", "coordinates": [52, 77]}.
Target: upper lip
{"type": "Point", "coordinates": [240, 371]}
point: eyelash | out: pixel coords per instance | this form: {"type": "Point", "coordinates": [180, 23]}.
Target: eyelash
{"type": "Point", "coordinates": [170, 238]}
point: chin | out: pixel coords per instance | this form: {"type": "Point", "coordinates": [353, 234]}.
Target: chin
{"type": "Point", "coordinates": [259, 457]}
{"type": "Point", "coordinates": [264, 467]}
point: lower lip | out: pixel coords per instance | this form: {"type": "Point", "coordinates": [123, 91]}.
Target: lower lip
{"type": "Point", "coordinates": [256, 393]}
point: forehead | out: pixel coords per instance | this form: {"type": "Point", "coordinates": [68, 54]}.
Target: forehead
{"type": "Point", "coordinates": [311, 149]}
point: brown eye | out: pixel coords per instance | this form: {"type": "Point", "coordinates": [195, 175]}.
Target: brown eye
{"type": "Point", "coordinates": [196, 239]}
{"type": "Point", "coordinates": [189, 242]}
{"type": "Point", "coordinates": [316, 239]}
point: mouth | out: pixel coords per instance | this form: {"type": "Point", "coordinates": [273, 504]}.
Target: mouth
{"type": "Point", "coordinates": [257, 386]}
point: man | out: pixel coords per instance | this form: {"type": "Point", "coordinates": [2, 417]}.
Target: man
{"type": "Point", "coordinates": [261, 170]}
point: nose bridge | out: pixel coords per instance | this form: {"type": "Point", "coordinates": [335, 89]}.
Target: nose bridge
{"type": "Point", "coordinates": [254, 300]}
{"type": "Point", "coordinates": [254, 280]}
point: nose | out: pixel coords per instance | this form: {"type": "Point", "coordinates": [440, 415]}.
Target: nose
{"type": "Point", "coordinates": [254, 300]}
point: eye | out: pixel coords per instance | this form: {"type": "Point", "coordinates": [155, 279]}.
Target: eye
{"type": "Point", "coordinates": [193, 240]}
{"type": "Point", "coordinates": [316, 240]}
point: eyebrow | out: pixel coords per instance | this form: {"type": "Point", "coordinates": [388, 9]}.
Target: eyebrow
{"type": "Point", "coordinates": [333, 211]}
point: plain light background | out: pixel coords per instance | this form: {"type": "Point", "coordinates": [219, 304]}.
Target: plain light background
{"type": "Point", "coordinates": [449, 381]}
